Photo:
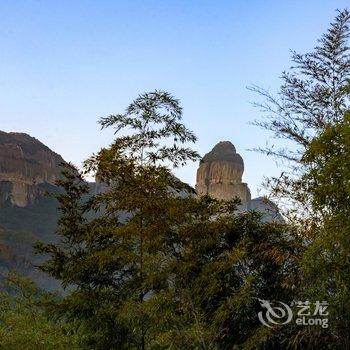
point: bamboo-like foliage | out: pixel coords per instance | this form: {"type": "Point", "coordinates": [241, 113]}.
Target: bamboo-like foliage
{"type": "Point", "coordinates": [313, 95]}
{"type": "Point", "coordinates": [158, 267]}
{"type": "Point", "coordinates": [312, 111]}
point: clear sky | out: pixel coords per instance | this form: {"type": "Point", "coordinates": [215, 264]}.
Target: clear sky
{"type": "Point", "coordinates": [65, 64]}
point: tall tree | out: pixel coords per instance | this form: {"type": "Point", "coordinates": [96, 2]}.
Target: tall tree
{"type": "Point", "coordinates": [117, 261]}
{"type": "Point", "coordinates": [325, 267]}
{"type": "Point", "coordinates": [314, 94]}
{"type": "Point", "coordinates": [311, 110]}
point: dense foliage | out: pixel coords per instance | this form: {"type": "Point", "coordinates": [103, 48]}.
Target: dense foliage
{"type": "Point", "coordinates": [25, 323]}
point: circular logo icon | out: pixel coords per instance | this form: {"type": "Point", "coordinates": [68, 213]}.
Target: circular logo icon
{"type": "Point", "coordinates": [279, 314]}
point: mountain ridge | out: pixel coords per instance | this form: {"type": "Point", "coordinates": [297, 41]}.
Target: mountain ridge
{"type": "Point", "coordinates": [25, 162]}
{"type": "Point", "coordinates": [29, 170]}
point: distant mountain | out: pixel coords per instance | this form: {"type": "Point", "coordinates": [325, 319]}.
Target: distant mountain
{"type": "Point", "coordinates": [28, 171]}
{"type": "Point", "coordinates": [25, 163]}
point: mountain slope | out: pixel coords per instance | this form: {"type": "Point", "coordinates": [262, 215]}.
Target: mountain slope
{"type": "Point", "coordinates": [28, 171]}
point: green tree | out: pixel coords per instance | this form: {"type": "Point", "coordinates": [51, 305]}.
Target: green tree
{"type": "Point", "coordinates": [326, 266]}
{"type": "Point", "coordinates": [314, 94]}
{"type": "Point", "coordinates": [312, 111]}
{"type": "Point", "coordinates": [117, 261]}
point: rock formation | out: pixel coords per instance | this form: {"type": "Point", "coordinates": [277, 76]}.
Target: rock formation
{"type": "Point", "coordinates": [24, 164]}
{"type": "Point", "coordinates": [220, 174]}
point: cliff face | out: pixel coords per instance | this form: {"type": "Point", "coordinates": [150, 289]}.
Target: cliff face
{"type": "Point", "coordinates": [28, 170]}
{"type": "Point", "coordinates": [24, 164]}
{"type": "Point", "coordinates": [220, 174]}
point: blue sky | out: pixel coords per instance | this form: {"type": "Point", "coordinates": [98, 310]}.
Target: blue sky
{"type": "Point", "coordinates": [65, 64]}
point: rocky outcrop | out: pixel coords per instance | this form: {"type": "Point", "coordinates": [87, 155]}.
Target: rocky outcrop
{"type": "Point", "coordinates": [24, 164]}
{"type": "Point", "coordinates": [220, 174]}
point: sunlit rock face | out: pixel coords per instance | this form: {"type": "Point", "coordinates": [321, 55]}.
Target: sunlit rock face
{"type": "Point", "coordinates": [220, 174]}
{"type": "Point", "coordinates": [24, 164]}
